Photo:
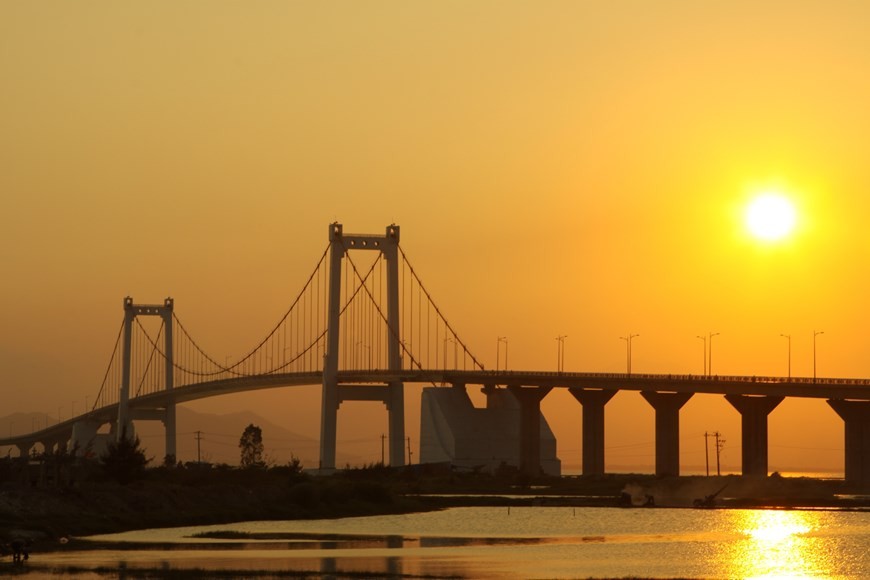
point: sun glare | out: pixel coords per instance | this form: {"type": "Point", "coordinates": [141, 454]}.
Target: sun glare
{"type": "Point", "coordinates": [770, 217]}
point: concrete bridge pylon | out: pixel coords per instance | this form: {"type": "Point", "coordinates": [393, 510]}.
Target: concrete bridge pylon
{"type": "Point", "coordinates": [167, 414]}
{"type": "Point", "coordinates": [393, 395]}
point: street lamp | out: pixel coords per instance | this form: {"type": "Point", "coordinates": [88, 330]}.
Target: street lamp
{"type": "Point", "coordinates": [788, 336]}
{"type": "Point", "coordinates": [710, 366]}
{"type": "Point", "coordinates": [627, 340]}
{"type": "Point", "coordinates": [560, 352]}
{"type": "Point", "coordinates": [501, 339]}
{"type": "Point", "coordinates": [815, 334]}
{"type": "Point", "coordinates": [704, 338]}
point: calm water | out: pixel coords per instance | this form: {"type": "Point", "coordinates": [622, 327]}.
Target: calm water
{"type": "Point", "coordinates": [525, 542]}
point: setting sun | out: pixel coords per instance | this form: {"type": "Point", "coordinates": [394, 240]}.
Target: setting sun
{"type": "Point", "coordinates": [770, 217]}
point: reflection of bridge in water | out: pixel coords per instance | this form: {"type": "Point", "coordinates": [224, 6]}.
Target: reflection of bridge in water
{"type": "Point", "coordinates": [364, 332]}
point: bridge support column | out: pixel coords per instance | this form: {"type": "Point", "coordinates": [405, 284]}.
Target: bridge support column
{"type": "Point", "coordinates": [124, 421]}
{"type": "Point", "coordinates": [24, 449]}
{"type": "Point", "coordinates": [529, 399]}
{"type": "Point", "coordinates": [329, 395]}
{"type": "Point", "coordinates": [396, 406]}
{"type": "Point", "coordinates": [753, 413]}
{"type": "Point", "coordinates": [667, 407]}
{"type": "Point", "coordinates": [169, 416]}
{"type": "Point", "coordinates": [856, 415]}
{"type": "Point", "coordinates": [593, 401]}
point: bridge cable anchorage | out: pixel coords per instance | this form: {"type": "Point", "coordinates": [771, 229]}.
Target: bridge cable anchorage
{"type": "Point", "coordinates": [438, 312]}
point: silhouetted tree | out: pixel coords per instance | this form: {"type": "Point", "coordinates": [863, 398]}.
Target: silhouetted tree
{"type": "Point", "coordinates": [251, 445]}
{"type": "Point", "coordinates": [124, 460]}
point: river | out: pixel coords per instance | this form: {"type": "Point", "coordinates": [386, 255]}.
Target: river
{"type": "Point", "coordinates": [517, 542]}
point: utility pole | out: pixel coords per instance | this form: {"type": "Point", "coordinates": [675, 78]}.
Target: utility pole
{"type": "Point", "coordinates": [383, 439]}
{"type": "Point", "coordinates": [409, 451]}
{"type": "Point", "coordinates": [720, 443]}
{"type": "Point", "coordinates": [707, 452]}
{"type": "Point", "coordinates": [198, 453]}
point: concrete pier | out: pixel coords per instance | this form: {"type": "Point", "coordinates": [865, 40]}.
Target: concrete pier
{"type": "Point", "coordinates": [753, 414]}
{"type": "Point", "coordinates": [856, 415]}
{"type": "Point", "coordinates": [593, 401]}
{"type": "Point", "coordinates": [667, 407]}
{"type": "Point", "coordinates": [529, 399]}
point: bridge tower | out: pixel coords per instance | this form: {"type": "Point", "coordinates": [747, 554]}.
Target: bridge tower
{"type": "Point", "coordinates": [131, 311]}
{"type": "Point", "coordinates": [333, 393]}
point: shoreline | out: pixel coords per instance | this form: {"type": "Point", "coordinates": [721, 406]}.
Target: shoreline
{"type": "Point", "coordinates": [44, 515]}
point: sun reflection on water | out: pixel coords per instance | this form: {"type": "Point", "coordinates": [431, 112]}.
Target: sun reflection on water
{"type": "Point", "coordinates": [778, 544]}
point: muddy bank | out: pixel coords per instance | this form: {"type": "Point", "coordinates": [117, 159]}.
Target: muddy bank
{"type": "Point", "coordinates": [107, 507]}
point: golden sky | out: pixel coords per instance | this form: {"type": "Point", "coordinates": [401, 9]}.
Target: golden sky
{"type": "Point", "coordinates": [576, 168]}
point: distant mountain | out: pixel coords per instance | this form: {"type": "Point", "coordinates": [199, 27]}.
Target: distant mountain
{"type": "Point", "coordinates": [218, 437]}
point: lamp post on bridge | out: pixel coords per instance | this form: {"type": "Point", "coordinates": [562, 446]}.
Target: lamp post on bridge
{"type": "Point", "coordinates": [704, 338]}
{"type": "Point", "coordinates": [560, 352]}
{"type": "Point", "coordinates": [815, 334]}
{"type": "Point", "coordinates": [627, 340]}
{"type": "Point", "coordinates": [788, 336]}
{"type": "Point", "coordinates": [501, 339]}
{"type": "Point", "coordinates": [710, 365]}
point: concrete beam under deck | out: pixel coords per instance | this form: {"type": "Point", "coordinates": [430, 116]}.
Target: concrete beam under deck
{"type": "Point", "coordinates": [364, 393]}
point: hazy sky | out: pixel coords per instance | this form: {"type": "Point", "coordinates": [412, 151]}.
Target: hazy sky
{"type": "Point", "coordinates": [576, 168]}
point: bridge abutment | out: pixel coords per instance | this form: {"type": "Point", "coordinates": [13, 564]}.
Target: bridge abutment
{"type": "Point", "coordinates": [530, 399]}
{"type": "Point", "coordinates": [667, 407]}
{"type": "Point", "coordinates": [856, 416]}
{"type": "Point", "coordinates": [753, 416]}
{"type": "Point", "coordinates": [593, 401]}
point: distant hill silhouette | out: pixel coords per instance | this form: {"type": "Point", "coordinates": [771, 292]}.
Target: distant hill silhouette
{"type": "Point", "coordinates": [219, 439]}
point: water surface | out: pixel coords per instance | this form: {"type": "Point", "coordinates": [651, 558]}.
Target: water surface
{"type": "Point", "coordinates": [520, 542]}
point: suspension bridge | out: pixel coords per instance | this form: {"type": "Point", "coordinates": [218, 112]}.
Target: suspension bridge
{"type": "Point", "coordinates": [364, 332]}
